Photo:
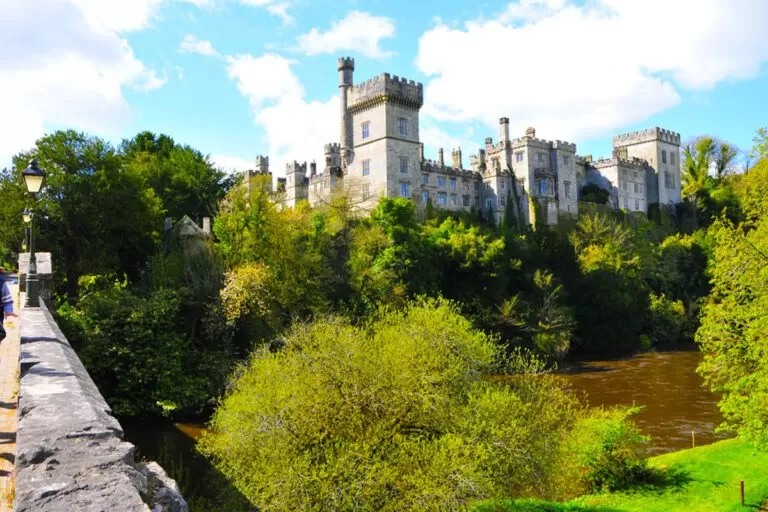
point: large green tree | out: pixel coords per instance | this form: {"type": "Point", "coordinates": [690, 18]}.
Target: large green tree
{"type": "Point", "coordinates": [94, 215]}
{"type": "Point", "coordinates": [186, 182]}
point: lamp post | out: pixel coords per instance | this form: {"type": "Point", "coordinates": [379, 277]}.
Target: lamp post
{"type": "Point", "coordinates": [33, 179]}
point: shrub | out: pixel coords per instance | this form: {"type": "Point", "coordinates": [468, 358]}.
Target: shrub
{"type": "Point", "coordinates": [610, 450]}
{"type": "Point", "coordinates": [393, 415]}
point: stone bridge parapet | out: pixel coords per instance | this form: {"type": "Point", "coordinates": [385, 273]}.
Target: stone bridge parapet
{"type": "Point", "coordinates": [70, 450]}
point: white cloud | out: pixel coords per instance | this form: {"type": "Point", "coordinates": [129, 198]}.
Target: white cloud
{"type": "Point", "coordinates": [277, 7]}
{"type": "Point", "coordinates": [295, 128]}
{"type": "Point", "coordinates": [577, 71]}
{"type": "Point", "coordinates": [231, 164]}
{"type": "Point", "coordinates": [191, 44]}
{"type": "Point", "coordinates": [69, 68]}
{"type": "Point", "coordinates": [358, 31]}
{"type": "Point", "coordinates": [268, 77]}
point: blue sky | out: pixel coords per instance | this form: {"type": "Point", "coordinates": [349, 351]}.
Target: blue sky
{"type": "Point", "coordinates": [237, 78]}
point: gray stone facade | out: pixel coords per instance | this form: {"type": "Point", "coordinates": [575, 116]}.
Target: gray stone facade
{"type": "Point", "coordinates": [380, 154]}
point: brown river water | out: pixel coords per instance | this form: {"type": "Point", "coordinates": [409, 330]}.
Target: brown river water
{"type": "Point", "coordinates": [674, 399]}
{"type": "Point", "coordinates": [664, 383]}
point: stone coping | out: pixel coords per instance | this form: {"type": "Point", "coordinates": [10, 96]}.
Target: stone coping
{"type": "Point", "coordinates": [70, 449]}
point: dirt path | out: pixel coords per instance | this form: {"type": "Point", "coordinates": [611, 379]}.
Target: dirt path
{"type": "Point", "coordinates": [9, 393]}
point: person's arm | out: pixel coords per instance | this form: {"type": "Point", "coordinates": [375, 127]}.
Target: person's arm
{"type": "Point", "coordinates": [7, 301]}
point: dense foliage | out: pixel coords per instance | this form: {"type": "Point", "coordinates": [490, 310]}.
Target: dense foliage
{"type": "Point", "coordinates": [398, 414]}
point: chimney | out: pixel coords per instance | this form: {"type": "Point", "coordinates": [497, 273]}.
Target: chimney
{"type": "Point", "coordinates": [530, 132]}
{"type": "Point", "coordinates": [207, 225]}
{"type": "Point", "coordinates": [504, 129]}
{"type": "Point", "coordinates": [440, 159]}
{"type": "Point", "coordinates": [312, 168]}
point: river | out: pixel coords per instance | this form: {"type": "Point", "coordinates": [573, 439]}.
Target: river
{"type": "Point", "coordinates": [664, 383]}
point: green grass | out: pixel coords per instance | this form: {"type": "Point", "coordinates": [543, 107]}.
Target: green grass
{"type": "Point", "coordinates": [705, 479]}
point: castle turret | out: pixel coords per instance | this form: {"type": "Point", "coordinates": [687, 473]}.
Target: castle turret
{"type": "Point", "coordinates": [456, 159]}
{"type": "Point", "coordinates": [440, 158]}
{"type": "Point", "coordinates": [346, 76]}
{"type": "Point", "coordinates": [504, 129]}
{"type": "Point", "coordinates": [262, 164]}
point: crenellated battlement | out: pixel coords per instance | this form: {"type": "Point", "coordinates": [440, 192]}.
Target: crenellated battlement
{"type": "Point", "coordinates": [333, 147]}
{"type": "Point", "coordinates": [648, 135]}
{"type": "Point", "coordinates": [386, 87]}
{"type": "Point", "coordinates": [296, 168]}
{"type": "Point", "coordinates": [602, 162]}
{"type": "Point", "coordinates": [564, 146]}
{"type": "Point", "coordinates": [346, 63]}
{"type": "Point", "coordinates": [433, 166]}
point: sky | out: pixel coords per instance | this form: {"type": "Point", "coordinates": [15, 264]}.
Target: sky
{"type": "Point", "coordinates": [240, 78]}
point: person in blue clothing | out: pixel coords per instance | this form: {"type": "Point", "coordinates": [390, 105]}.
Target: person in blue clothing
{"type": "Point", "coordinates": [6, 299]}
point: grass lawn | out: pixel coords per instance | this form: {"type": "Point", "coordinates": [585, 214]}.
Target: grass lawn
{"type": "Point", "coordinates": [708, 480]}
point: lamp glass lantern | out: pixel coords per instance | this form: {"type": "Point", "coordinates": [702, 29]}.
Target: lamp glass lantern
{"type": "Point", "coordinates": [33, 177]}
{"type": "Point", "coordinates": [27, 216]}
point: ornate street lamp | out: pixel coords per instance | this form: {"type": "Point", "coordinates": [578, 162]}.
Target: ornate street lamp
{"type": "Point", "coordinates": [33, 179]}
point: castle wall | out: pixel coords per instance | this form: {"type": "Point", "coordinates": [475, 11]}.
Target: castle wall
{"type": "Point", "coordinates": [651, 145]}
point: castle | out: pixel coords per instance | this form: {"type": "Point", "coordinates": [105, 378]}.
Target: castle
{"type": "Point", "coordinates": [379, 154]}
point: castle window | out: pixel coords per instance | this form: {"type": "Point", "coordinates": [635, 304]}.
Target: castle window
{"type": "Point", "coordinates": [635, 174]}
{"type": "Point", "coordinates": [566, 160]}
{"type": "Point", "coordinates": [624, 185]}
{"type": "Point", "coordinates": [403, 164]}
{"type": "Point", "coordinates": [425, 197]}
{"type": "Point", "coordinates": [366, 191]}
{"type": "Point", "coordinates": [637, 204]}
{"type": "Point", "coordinates": [567, 186]}
{"type": "Point", "coordinates": [502, 184]}
{"type": "Point", "coordinates": [441, 198]}
{"type": "Point", "coordinates": [672, 158]}
{"type": "Point", "coordinates": [488, 203]}
{"type": "Point", "coordinates": [477, 187]}
{"type": "Point", "coordinates": [503, 201]}
{"type": "Point", "coordinates": [405, 190]}
{"type": "Point", "coordinates": [465, 200]}
{"type": "Point", "coordinates": [667, 180]}
{"type": "Point", "coordinates": [441, 181]}
{"type": "Point", "coordinates": [366, 167]}
{"type": "Point", "coordinates": [541, 158]}
{"type": "Point", "coordinates": [366, 129]}
{"type": "Point", "coordinates": [425, 179]}
{"type": "Point", "coordinates": [477, 201]}
{"type": "Point", "coordinates": [663, 156]}
{"type": "Point", "coordinates": [519, 156]}
{"type": "Point", "coordinates": [453, 183]}
{"type": "Point", "coordinates": [453, 199]}
{"type": "Point", "coordinates": [637, 189]}
{"type": "Point", "coordinates": [403, 126]}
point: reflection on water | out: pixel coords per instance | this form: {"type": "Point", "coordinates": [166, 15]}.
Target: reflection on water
{"type": "Point", "coordinates": [666, 384]}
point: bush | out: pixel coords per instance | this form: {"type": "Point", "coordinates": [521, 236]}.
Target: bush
{"type": "Point", "coordinates": [394, 415]}
{"type": "Point", "coordinates": [610, 449]}
{"type": "Point", "coordinates": [133, 349]}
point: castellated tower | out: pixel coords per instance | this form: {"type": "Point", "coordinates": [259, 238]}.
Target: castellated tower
{"type": "Point", "coordinates": [661, 150]}
{"type": "Point", "coordinates": [346, 76]}
{"type": "Point", "coordinates": [296, 183]}
{"type": "Point", "coordinates": [385, 136]}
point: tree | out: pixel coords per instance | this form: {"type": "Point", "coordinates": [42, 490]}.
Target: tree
{"type": "Point", "coordinates": [760, 145]}
{"type": "Point", "coordinates": [185, 181]}
{"type": "Point", "coordinates": [94, 215]}
{"type": "Point", "coordinates": [392, 415]}
{"type": "Point", "coordinates": [733, 335]}
{"type": "Point", "coordinates": [696, 166]}
{"type": "Point", "coordinates": [594, 194]}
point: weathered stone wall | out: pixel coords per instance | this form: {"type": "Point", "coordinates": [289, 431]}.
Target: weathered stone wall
{"type": "Point", "coordinates": [70, 449]}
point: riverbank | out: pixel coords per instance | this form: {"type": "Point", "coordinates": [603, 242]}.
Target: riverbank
{"type": "Point", "coordinates": [706, 479]}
